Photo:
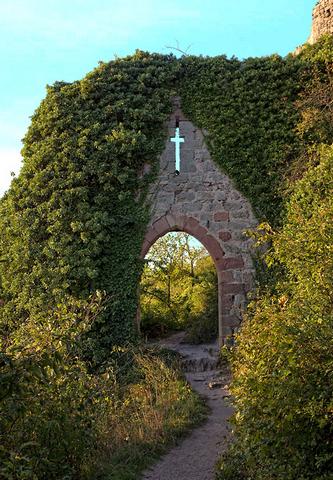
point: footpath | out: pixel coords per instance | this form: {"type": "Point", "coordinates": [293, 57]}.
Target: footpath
{"type": "Point", "coordinates": [196, 456]}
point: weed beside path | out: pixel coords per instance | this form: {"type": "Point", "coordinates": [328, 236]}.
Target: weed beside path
{"type": "Point", "coordinates": [152, 418]}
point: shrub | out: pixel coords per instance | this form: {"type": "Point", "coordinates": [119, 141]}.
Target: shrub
{"type": "Point", "coordinates": [61, 419]}
{"type": "Point", "coordinates": [283, 370]}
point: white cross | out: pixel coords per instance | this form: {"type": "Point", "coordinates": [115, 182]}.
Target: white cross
{"type": "Point", "coordinates": [177, 139]}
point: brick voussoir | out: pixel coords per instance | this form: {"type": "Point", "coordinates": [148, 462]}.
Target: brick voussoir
{"type": "Point", "coordinates": [213, 247]}
{"type": "Point", "coordinates": [200, 233]}
{"type": "Point", "coordinates": [145, 248]}
{"type": "Point", "coordinates": [176, 222]}
{"type": "Point", "coordinates": [152, 235]}
{"type": "Point", "coordinates": [191, 223]}
{"type": "Point", "coordinates": [161, 226]}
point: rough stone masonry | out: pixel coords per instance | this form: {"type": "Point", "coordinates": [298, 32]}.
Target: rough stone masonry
{"type": "Point", "coordinates": [322, 20]}
{"type": "Point", "coordinates": [203, 202]}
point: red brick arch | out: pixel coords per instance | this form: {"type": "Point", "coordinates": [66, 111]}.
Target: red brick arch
{"type": "Point", "coordinates": [228, 286]}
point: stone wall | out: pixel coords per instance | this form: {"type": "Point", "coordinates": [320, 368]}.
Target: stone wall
{"type": "Point", "coordinates": [322, 20]}
{"type": "Point", "coordinates": [203, 201]}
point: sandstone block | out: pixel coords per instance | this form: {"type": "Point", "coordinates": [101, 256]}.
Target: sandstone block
{"type": "Point", "coordinates": [224, 236]}
{"type": "Point", "coordinates": [221, 216]}
{"type": "Point", "coordinates": [226, 277]}
{"type": "Point", "coordinates": [233, 288]}
{"type": "Point", "coordinates": [232, 263]}
{"type": "Point", "coordinates": [161, 226]}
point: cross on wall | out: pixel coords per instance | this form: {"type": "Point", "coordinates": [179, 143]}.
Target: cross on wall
{"type": "Point", "coordinates": [177, 140]}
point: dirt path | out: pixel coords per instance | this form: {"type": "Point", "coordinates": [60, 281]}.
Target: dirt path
{"type": "Point", "coordinates": [196, 456]}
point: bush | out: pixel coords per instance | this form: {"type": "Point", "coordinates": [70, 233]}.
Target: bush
{"type": "Point", "coordinates": [60, 419]}
{"type": "Point", "coordinates": [283, 370]}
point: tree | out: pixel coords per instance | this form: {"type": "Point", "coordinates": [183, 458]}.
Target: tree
{"type": "Point", "coordinates": [179, 289]}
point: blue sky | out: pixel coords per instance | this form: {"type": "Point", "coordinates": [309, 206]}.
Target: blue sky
{"type": "Point", "coordinates": [42, 41]}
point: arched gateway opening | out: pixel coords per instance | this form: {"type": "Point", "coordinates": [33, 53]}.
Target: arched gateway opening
{"type": "Point", "coordinates": [178, 290]}
{"type": "Point", "coordinates": [191, 194]}
{"type": "Point", "coordinates": [228, 288]}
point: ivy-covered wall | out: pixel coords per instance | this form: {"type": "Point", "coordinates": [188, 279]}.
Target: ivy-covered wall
{"type": "Point", "coordinates": [74, 219]}
{"type": "Point", "coordinates": [247, 108]}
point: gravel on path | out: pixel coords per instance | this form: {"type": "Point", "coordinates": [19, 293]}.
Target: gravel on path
{"type": "Point", "coordinates": [196, 456]}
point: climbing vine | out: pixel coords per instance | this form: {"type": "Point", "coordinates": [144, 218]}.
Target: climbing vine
{"type": "Point", "coordinates": [282, 367]}
{"type": "Point", "coordinates": [247, 109]}
{"type": "Point", "coordinates": [73, 221]}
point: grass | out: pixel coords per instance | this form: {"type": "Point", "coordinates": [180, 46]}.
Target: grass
{"type": "Point", "coordinates": [153, 415]}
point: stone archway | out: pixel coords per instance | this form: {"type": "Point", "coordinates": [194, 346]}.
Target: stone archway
{"type": "Point", "coordinates": [202, 201]}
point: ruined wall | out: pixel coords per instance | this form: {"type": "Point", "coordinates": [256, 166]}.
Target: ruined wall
{"type": "Point", "coordinates": [203, 201]}
{"type": "Point", "coordinates": [322, 20]}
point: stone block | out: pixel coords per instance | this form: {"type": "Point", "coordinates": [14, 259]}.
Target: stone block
{"type": "Point", "coordinates": [226, 277]}
{"type": "Point", "coordinates": [233, 288]}
{"type": "Point", "coordinates": [213, 247]}
{"type": "Point", "coordinates": [194, 207]}
{"type": "Point", "coordinates": [145, 248]}
{"type": "Point", "coordinates": [231, 263]}
{"type": "Point", "coordinates": [209, 195]}
{"type": "Point", "coordinates": [161, 226]}
{"type": "Point", "coordinates": [225, 236]}
{"type": "Point", "coordinates": [227, 302]}
{"type": "Point", "coordinates": [191, 223]}
{"type": "Point", "coordinates": [185, 196]}
{"type": "Point", "coordinates": [175, 221]}
{"type": "Point", "coordinates": [231, 321]}
{"type": "Point", "coordinates": [189, 168]}
{"type": "Point", "coordinates": [221, 216]}
{"type": "Point", "coordinates": [239, 224]}
{"type": "Point", "coordinates": [151, 235]}
{"type": "Point", "coordinates": [199, 233]}
{"type": "Point", "coordinates": [233, 205]}
{"type": "Point", "coordinates": [166, 198]}
{"type": "Point", "coordinates": [240, 214]}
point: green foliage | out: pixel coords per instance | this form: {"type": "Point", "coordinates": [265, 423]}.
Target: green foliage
{"type": "Point", "coordinates": [202, 323]}
{"type": "Point", "coordinates": [316, 110]}
{"type": "Point", "coordinates": [74, 220]}
{"type": "Point", "coordinates": [283, 370]}
{"type": "Point", "coordinates": [319, 52]}
{"type": "Point", "coordinates": [49, 401]}
{"type": "Point", "coordinates": [179, 290]}
{"type": "Point", "coordinates": [60, 420]}
{"type": "Point", "coordinates": [247, 109]}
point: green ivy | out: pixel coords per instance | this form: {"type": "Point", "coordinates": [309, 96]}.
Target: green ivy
{"type": "Point", "coordinates": [247, 109]}
{"type": "Point", "coordinates": [282, 366]}
{"type": "Point", "coordinates": [73, 221]}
